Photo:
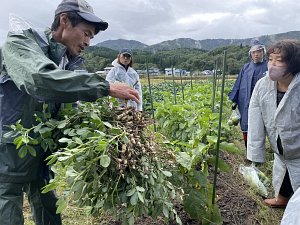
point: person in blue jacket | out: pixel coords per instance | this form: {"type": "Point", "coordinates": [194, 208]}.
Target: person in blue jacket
{"type": "Point", "coordinates": [246, 80]}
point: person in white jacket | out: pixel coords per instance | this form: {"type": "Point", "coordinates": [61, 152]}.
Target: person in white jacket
{"type": "Point", "coordinates": [123, 72]}
{"type": "Point", "coordinates": [274, 112]}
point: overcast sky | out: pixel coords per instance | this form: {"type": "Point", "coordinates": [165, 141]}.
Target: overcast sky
{"type": "Point", "coordinates": [154, 21]}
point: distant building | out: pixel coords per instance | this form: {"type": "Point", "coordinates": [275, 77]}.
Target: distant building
{"type": "Point", "coordinates": [100, 72]}
{"type": "Point", "coordinates": [207, 72]}
{"type": "Point", "coordinates": [176, 72]}
{"type": "Point", "coordinates": [107, 69]}
{"type": "Point", "coordinates": [168, 71]}
{"type": "Point", "coordinates": [153, 71]}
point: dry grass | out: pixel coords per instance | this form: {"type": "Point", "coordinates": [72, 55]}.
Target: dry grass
{"type": "Point", "coordinates": [71, 216]}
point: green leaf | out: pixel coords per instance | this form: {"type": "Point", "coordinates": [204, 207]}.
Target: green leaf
{"type": "Point", "coordinates": [44, 130]}
{"type": "Point", "coordinates": [131, 220]}
{"type": "Point", "coordinates": [195, 204]}
{"type": "Point", "coordinates": [140, 189]}
{"type": "Point", "coordinates": [184, 160]}
{"type": "Point", "coordinates": [31, 150]}
{"type": "Point", "coordinates": [77, 189]}
{"type": "Point", "coordinates": [215, 215]}
{"type": "Point", "coordinates": [166, 211]}
{"type": "Point", "coordinates": [131, 192]}
{"type": "Point", "coordinates": [212, 139]}
{"type": "Point", "coordinates": [222, 165]}
{"type": "Point", "coordinates": [64, 140]}
{"type": "Point", "coordinates": [102, 145]}
{"type": "Point", "coordinates": [47, 144]}
{"type": "Point", "coordinates": [200, 178]}
{"type": "Point", "coordinates": [141, 198]}
{"type": "Point", "coordinates": [107, 124]}
{"type": "Point", "coordinates": [134, 199]}
{"type": "Point", "coordinates": [82, 132]}
{"type": "Point", "coordinates": [33, 142]}
{"type": "Point", "coordinates": [166, 173]}
{"type": "Point", "coordinates": [71, 173]}
{"type": "Point", "coordinates": [52, 160]}
{"type": "Point", "coordinates": [104, 160]}
{"type": "Point", "coordinates": [230, 147]}
{"type": "Point", "coordinates": [61, 124]}
{"type": "Point", "coordinates": [94, 116]}
{"type": "Point", "coordinates": [78, 141]}
{"type": "Point", "coordinates": [23, 151]}
{"type": "Point", "coordinates": [18, 142]}
{"type": "Point", "coordinates": [50, 187]}
{"type": "Point", "coordinates": [62, 205]}
{"type": "Point", "coordinates": [63, 158]}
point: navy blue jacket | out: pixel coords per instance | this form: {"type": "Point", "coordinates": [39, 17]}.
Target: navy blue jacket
{"type": "Point", "coordinates": [243, 87]}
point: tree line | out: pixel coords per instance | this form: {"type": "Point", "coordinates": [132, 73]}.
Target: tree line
{"type": "Point", "coordinates": [196, 60]}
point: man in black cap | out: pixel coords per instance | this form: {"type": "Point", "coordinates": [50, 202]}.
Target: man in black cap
{"type": "Point", "coordinates": [39, 68]}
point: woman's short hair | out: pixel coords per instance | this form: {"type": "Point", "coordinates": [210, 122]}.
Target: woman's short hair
{"type": "Point", "coordinates": [290, 52]}
{"type": "Point", "coordinates": [74, 18]}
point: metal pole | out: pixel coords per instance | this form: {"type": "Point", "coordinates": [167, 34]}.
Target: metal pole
{"type": "Point", "coordinates": [182, 88]}
{"type": "Point", "coordinates": [219, 131]}
{"type": "Point", "coordinates": [191, 80]}
{"type": "Point", "coordinates": [150, 92]}
{"type": "Point", "coordinates": [214, 88]}
{"type": "Point", "coordinates": [174, 88]}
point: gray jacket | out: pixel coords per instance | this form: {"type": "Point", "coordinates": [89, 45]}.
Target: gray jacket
{"type": "Point", "coordinates": [266, 119]}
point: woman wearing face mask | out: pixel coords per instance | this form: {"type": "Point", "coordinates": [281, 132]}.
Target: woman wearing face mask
{"type": "Point", "coordinates": [274, 112]}
{"type": "Point", "coordinates": [124, 73]}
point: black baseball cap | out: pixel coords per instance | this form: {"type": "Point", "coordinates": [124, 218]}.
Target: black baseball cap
{"type": "Point", "coordinates": [84, 10]}
{"type": "Point", "coordinates": [126, 51]}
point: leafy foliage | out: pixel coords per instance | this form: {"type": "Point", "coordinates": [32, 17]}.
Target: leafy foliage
{"type": "Point", "coordinates": [192, 128]}
{"type": "Point", "coordinates": [97, 58]}
{"type": "Point", "coordinates": [107, 160]}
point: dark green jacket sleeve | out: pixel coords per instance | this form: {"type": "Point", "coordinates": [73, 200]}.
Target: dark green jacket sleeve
{"type": "Point", "coordinates": [33, 72]}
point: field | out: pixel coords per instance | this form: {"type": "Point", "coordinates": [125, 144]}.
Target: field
{"type": "Point", "coordinates": [237, 203]}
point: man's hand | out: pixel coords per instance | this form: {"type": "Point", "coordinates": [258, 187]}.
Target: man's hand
{"type": "Point", "coordinates": [123, 91]}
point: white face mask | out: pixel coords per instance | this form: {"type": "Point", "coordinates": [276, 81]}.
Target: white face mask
{"type": "Point", "coordinates": [277, 73]}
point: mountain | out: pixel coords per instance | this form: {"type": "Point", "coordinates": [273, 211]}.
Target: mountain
{"type": "Point", "coordinates": [121, 43]}
{"type": "Point", "coordinates": [206, 44]}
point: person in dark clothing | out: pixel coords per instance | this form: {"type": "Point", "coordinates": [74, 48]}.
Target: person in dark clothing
{"type": "Point", "coordinates": [245, 82]}
{"type": "Point", "coordinates": [38, 69]}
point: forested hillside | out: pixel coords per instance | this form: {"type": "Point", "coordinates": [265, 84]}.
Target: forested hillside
{"type": "Point", "coordinates": [97, 58]}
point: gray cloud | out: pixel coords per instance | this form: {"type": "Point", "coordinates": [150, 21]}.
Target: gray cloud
{"type": "Point", "coordinates": [153, 21]}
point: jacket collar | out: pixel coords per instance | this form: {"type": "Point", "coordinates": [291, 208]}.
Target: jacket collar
{"type": "Point", "coordinates": [56, 50]}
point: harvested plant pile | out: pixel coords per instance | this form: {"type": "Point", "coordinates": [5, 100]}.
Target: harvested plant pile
{"type": "Point", "coordinates": [107, 160]}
